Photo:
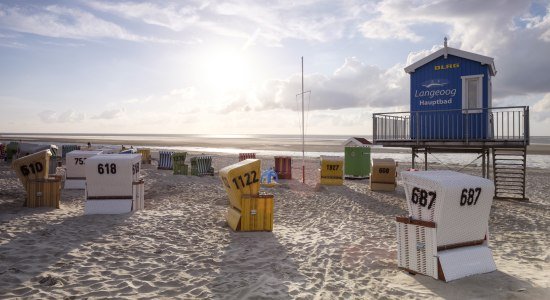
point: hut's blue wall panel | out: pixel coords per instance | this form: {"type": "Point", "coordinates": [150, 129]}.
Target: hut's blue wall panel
{"type": "Point", "coordinates": [436, 94]}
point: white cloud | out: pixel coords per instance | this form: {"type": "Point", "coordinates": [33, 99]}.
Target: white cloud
{"type": "Point", "coordinates": [541, 109]}
{"type": "Point", "coordinates": [386, 29]}
{"type": "Point", "coordinates": [110, 114]}
{"type": "Point", "coordinates": [169, 16]}
{"type": "Point", "coordinates": [354, 84]}
{"type": "Point", "coordinates": [66, 22]}
{"type": "Point", "coordinates": [68, 116]}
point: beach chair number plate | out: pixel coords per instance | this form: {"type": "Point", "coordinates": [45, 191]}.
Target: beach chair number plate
{"type": "Point", "coordinates": [79, 160]}
{"type": "Point", "coordinates": [333, 167]}
{"type": "Point", "coordinates": [240, 182]}
{"type": "Point", "coordinates": [106, 168]}
{"type": "Point", "coordinates": [468, 195]}
{"type": "Point", "coordinates": [384, 170]}
{"type": "Point", "coordinates": [34, 168]}
{"type": "Point", "coordinates": [420, 196]}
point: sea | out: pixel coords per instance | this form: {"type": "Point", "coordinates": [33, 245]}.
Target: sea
{"type": "Point", "coordinates": [175, 142]}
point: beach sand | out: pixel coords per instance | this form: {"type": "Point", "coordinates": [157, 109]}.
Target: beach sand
{"type": "Point", "coordinates": [328, 242]}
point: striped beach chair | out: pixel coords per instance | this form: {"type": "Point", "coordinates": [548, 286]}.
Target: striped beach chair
{"type": "Point", "coordinates": [68, 148]}
{"type": "Point", "coordinates": [178, 162]}
{"type": "Point", "coordinates": [202, 165]}
{"type": "Point", "coordinates": [243, 156]}
{"type": "Point", "coordinates": [2, 151]}
{"type": "Point", "coordinates": [165, 160]}
{"type": "Point", "coordinates": [283, 167]}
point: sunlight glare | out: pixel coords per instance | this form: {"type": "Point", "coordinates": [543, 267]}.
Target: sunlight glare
{"type": "Point", "coordinates": [226, 69]}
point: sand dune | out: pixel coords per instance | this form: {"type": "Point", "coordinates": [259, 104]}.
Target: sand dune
{"type": "Point", "coordinates": [327, 243]}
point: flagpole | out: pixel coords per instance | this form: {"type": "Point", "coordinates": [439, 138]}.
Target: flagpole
{"type": "Point", "coordinates": [303, 130]}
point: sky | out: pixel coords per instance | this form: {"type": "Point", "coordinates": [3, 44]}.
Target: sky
{"type": "Point", "coordinates": [234, 67]}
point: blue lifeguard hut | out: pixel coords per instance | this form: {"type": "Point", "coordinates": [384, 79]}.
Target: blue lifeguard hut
{"type": "Point", "coordinates": [450, 95]}
{"type": "Point", "coordinates": [451, 110]}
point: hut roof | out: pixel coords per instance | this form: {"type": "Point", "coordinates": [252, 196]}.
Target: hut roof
{"type": "Point", "coordinates": [484, 60]}
{"type": "Point", "coordinates": [357, 141]}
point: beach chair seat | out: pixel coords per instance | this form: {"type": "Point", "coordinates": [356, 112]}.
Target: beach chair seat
{"type": "Point", "coordinates": [202, 165]}
{"type": "Point", "coordinates": [445, 235]}
{"type": "Point", "coordinates": [283, 167]}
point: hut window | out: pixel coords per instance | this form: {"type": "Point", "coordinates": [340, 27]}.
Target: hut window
{"type": "Point", "coordinates": [472, 93]}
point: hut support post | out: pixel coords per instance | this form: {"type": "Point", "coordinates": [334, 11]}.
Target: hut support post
{"type": "Point", "coordinates": [425, 159]}
{"type": "Point", "coordinates": [483, 162]}
{"type": "Point", "coordinates": [413, 156]}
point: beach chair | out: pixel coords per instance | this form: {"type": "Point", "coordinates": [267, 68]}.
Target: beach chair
{"type": "Point", "coordinates": [243, 156]}
{"type": "Point", "coordinates": [145, 155]}
{"type": "Point", "coordinates": [33, 172]}
{"type": "Point", "coordinates": [113, 184]}
{"type": "Point", "coordinates": [445, 235]}
{"type": "Point", "coordinates": [178, 162]}
{"type": "Point", "coordinates": [11, 150]}
{"type": "Point", "coordinates": [383, 175]}
{"type": "Point", "coordinates": [68, 148]}
{"type": "Point", "coordinates": [332, 170]}
{"type": "Point", "coordinates": [283, 167]}
{"type": "Point", "coordinates": [2, 151]}
{"type": "Point", "coordinates": [75, 174]}
{"type": "Point", "coordinates": [248, 209]}
{"type": "Point", "coordinates": [165, 160]}
{"type": "Point", "coordinates": [202, 165]}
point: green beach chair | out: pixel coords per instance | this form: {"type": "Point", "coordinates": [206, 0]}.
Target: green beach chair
{"type": "Point", "coordinates": [178, 163]}
{"type": "Point", "coordinates": [202, 165]}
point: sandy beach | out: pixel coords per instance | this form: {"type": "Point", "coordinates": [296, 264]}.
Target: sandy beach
{"type": "Point", "coordinates": [328, 242]}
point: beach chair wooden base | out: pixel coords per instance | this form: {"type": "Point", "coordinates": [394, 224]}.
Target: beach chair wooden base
{"type": "Point", "coordinates": [107, 206]}
{"type": "Point", "coordinates": [181, 169]}
{"type": "Point", "coordinates": [327, 180]}
{"type": "Point", "coordinates": [256, 214]}
{"type": "Point", "coordinates": [44, 192]}
{"type": "Point", "coordinates": [417, 252]}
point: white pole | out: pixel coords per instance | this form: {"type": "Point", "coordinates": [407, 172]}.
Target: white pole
{"type": "Point", "coordinates": [303, 129]}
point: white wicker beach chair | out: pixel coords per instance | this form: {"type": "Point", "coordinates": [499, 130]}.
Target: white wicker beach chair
{"type": "Point", "coordinates": [445, 235]}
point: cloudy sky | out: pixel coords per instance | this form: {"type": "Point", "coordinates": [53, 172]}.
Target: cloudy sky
{"type": "Point", "coordinates": [233, 67]}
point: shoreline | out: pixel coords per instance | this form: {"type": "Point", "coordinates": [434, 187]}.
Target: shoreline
{"type": "Point", "coordinates": [244, 144]}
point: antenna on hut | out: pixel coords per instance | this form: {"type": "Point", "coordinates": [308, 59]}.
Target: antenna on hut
{"type": "Point", "coordinates": [303, 127]}
{"type": "Point", "coordinates": [445, 47]}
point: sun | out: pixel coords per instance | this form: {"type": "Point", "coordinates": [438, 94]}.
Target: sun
{"type": "Point", "coordinates": [226, 69]}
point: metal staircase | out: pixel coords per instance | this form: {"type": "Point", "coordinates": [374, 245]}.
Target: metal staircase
{"type": "Point", "coordinates": [509, 166]}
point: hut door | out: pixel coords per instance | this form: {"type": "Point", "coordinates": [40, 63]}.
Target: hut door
{"type": "Point", "coordinates": [474, 116]}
